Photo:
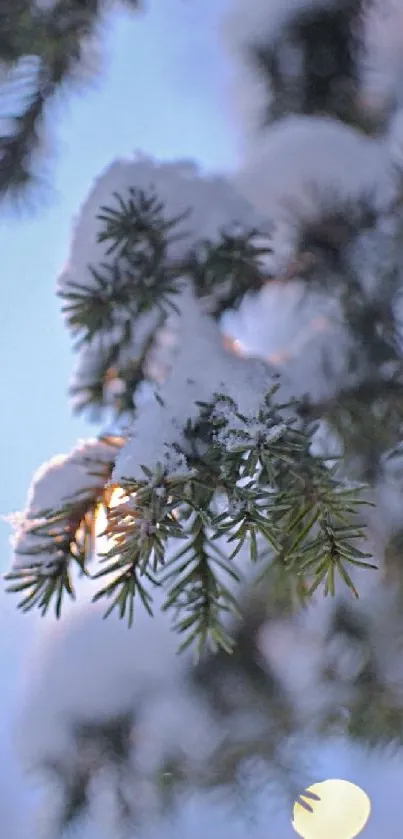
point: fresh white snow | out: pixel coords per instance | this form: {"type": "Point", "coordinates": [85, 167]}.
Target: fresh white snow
{"type": "Point", "coordinates": [57, 482]}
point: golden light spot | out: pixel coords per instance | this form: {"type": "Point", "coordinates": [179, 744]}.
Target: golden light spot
{"type": "Point", "coordinates": [101, 523]}
{"type": "Point", "coordinates": [278, 358]}
{"type": "Point", "coordinates": [113, 499]}
{"type": "Point", "coordinates": [233, 345]}
{"type": "Point", "coordinates": [332, 809]}
{"type": "Point", "coordinates": [116, 497]}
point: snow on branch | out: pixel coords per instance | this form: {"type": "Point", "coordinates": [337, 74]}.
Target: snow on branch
{"type": "Point", "coordinates": [57, 526]}
{"type": "Point", "coordinates": [280, 55]}
{"type": "Point", "coordinates": [309, 168]}
{"type": "Point", "coordinates": [143, 226]}
{"type": "Point", "coordinates": [200, 368]}
{"type": "Point", "coordinates": [216, 462]}
{"type": "Point", "coordinates": [203, 205]}
{"type": "Point", "coordinates": [382, 70]}
{"type": "Point", "coordinates": [216, 432]}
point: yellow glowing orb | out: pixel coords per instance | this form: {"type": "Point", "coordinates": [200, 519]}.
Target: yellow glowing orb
{"type": "Point", "coordinates": [332, 809]}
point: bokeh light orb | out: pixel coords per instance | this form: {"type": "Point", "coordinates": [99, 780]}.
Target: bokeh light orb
{"type": "Point", "coordinates": [340, 811]}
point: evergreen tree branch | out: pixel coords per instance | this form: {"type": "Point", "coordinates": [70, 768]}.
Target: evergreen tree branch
{"type": "Point", "coordinates": [49, 541]}
{"type": "Point", "coordinates": [223, 271]}
{"type": "Point", "coordinates": [275, 494]}
{"type": "Point", "coordinates": [327, 42]}
{"type": "Point", "coordinates": [140, 280]}
{"type": "Point", "coordinates": [110, 381]}
{"type": "Point", "coordinates": [57, 37]}
{"type": "Point", "coordinates": [373, 710]}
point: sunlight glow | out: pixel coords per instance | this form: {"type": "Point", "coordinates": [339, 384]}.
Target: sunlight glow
{"type": "Point", "coordinates": [340, 811]}
{"type": "Point", "coordinates": [102, 540]}
{"type": "Point", "coordinates": [233, 345]}
{"type": "Point", "coordinates": [116, 497]}
{"type": "Point", "coordinates": [278, 358]}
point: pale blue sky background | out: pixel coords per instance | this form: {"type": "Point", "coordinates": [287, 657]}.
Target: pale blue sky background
{"type": "Point", "coordinates": [162, 91]}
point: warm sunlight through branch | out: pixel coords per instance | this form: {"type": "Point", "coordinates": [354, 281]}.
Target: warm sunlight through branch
{"type": "Point", "coordinates": [280, 357]}
{"type": "Point", "coordinates": [233, 345]}
{"type": "Point", "coordinates": [102, 540]}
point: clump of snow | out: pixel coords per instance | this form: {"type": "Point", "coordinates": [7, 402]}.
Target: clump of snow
{"type": "Point", "coordinates": [258, 22]}
{"type": "Point", "coordinates": [295, 654]}
{"type": "Point", "coordinates": [346, 658]}
{"type": "Point", "coordinates": [250, 430]}
{"type": "Point", "coordinates": [213, 203]}
{"type": "Point", "coordinates": [305, 165]}
{"type": "Point", "coordinates": [175, 463]}
{"type": "Point", "coordinates": [386, 517]}
{"type": "Point", "coordinates": [93, 669]}
{"type": "Point", "coordinates": [374, 256]}
{"type": "Point", "coordinates": [111, 347]}
{"type": "Point", "coordinates": [382, 70]}
{"type": "Point", "coordinates": [395, 139]}
{"type": "Point", "coordinates": [291, 326]}
{"type": "Point", "coordinates": [249, 24]}
{"type": "Point", "coordinates": [88, 670]}
{"type": "Point", "coordinates": [159, 359]}
{"type": "Point", "coordinates": [201, 367]}
{"type": "Point", "coordinates": [82, 472]}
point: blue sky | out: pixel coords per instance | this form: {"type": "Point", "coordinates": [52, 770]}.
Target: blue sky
{"type": "Point", "coordinates": [162, 91]}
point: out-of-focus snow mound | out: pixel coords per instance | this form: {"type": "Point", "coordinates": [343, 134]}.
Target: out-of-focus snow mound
{"type": "Point", "coordinates": [259, 22]}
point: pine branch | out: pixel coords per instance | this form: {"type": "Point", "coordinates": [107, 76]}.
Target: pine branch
{"type": "Point", "coordinates": [373, 711]}
{"type": "Point", "coordinates": [57, 37]}
{"type": "Point", "coordinates": [137, 226]}
{"type": "Point", "coordinates": [60, 538]}
{"type": "Point", "coordinates": [136, 281]}
{"type": "Point", "coordinates": [111, 383]}
{"type": "Point", "coordinates": [311, 508]}
{"type": "Point", "coordinates": [326, 41]}
{"type": "Point", "coordinates": [375, 714]}
{"type": "Point", "coordinates": [15, 30]}
{"type": "Point", "coordinates": [195, 590]}
{"type": "Point", "coordinates": [131, 294]}
{"type": "Point", "coordinates": [20, 147]}
{"type": "Point", "coordinates": [225, 270]}
{"type": "Point", "coordinates": [141, 275]}
{"type": "Point", "coordinates": [368, 418]}
{"type": "Point", "coordinates": [140, 279]}
{"type": "Point", "coordinates": [275, 494]}
{"type": "Point", "coordinates": [140, 528]}
{"type": "Point", "coordinates": [97, 745]}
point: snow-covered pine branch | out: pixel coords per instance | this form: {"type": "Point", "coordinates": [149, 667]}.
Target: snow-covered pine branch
{"type": "Point", "coordinates": [56, 530]}
{"type": "Point", "coordinates": [158, 253]}
{"type": "Point", "coordinates": [133, 235]}
{"type": "Point", "coordinates": [211, 457]}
